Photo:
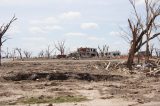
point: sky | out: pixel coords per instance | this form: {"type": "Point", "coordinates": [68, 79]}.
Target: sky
{"type": "Point", "coordinates": [80, 23]}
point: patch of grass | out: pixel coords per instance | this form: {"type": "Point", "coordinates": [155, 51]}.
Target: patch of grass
{"type": "Point", "coordinates": [64, 99]}
{"type": "Point", "coordinates": [61, 99]}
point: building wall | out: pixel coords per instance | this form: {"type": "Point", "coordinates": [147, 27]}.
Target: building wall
{"type": "Point", "coordinates": [87, 52]}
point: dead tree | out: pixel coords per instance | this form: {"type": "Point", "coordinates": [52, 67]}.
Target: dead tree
{"type": "Point", "coordinates": [19, 50]}
{"type": "Point", "coordinates": [141, 28]}
{"type": "Point", "coordinates": [27, 54]}
{"type": "Point", "coordinates": [157, 51]}
{"type": "Point", "coordinates": [60, 46]}
{"type": "Point", "coordinates": [41, 54]}
{"type": "Point", "coordinates": [103, 50]}
{"type": "Point", "coordinates": [151, 49]}
{"type": "Point", "coordinates": [48, 52]}
{"type": "Point", "coordinates": [13, 54]}
{"type": "Point", "coordinates": [3, 30]}
{"type": "Point", "coordinates": [7, 53]}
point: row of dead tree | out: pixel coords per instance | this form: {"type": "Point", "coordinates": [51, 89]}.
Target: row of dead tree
{"type": "Point", "coordinates": [48, 52]}
{"type": "Point", "coordinates": [24, 54]}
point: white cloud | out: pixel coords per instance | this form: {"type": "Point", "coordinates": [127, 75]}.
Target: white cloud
{"type": "Point", "coordinates": [36, 30]}
{"type": "Point", "coordinates": [83, 35]}
{"type": "Point", "coordinates": [89, 26]}
{"type": "Point", "coordinates": [75, 34]}
{"type": "Point", "coordinates": [23, 2]}
{"type": "Point", "coordinates": [94, 38]}
{"type": "Point", "coordinates": [50, 23]}
{"type": "Point", "coordinates": [70, 15]}
{"type": "Point", "coordinates": [52, 28]}
{"type": "Point", "coordinates": [44, 29]}
{"type": "Point", "coordinates": [35, 39]}
{"type": "Point", "coordinates": [13, 1]}
{"type": "Point", "coordinates": [70, 1]}
{"type": "Point", "coordinates": [35, 2]}
{"type": "Point", "coordinates": [45, 21]}
{"type": "Point", "coordinates": [45, 25]}
{"type": "Point", "coordinates": [114, 33]}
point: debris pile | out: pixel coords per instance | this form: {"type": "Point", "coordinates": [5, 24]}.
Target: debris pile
{"type": "Point", "coordinates": [151, 68]}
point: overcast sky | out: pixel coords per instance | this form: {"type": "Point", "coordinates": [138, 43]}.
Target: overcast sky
{"type": "Point", "coordinates": [81, 23]}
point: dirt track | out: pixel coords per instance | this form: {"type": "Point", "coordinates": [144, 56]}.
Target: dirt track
{"type": "Point", "coordinates": [104, 88]}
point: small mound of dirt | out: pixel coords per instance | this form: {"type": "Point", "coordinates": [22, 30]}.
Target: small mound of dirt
{"type": "Point", "coordinates": [64, 76]}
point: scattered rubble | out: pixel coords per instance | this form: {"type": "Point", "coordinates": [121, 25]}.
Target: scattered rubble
{"type": "Point", "coordinates": [102, 80]}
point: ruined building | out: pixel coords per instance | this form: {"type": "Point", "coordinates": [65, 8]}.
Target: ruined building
{"type": "Point", "coordinates": [87, 52]}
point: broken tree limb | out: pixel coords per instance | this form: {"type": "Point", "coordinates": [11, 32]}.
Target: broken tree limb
{"type": "Point", "coordinates": [108, 66]}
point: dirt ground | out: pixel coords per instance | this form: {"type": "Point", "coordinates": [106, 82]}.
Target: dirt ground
{"type": "Point", "coordinates": [76, 78]}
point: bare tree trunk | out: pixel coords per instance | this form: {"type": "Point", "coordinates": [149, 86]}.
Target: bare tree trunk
{"type": "Point", "coordinates": [131, 56]}
{"type": "Point", "coordinates": [130, 60]}
{"type": "Point", "coordinates": [7, 54]}
{"type": "Point", "coordinates": [20, 53]}
{"type": "Point", "coordinates": [48, 52]}
{"type": "Point", "coordinates": [147, 53]}
{"type": "Point", "coordinates": [0, 54]}
{"type": "Point", "coordinates": [151, 50]}
{"type": "Point", "coordinates": [14, 52]}
{"type": "Point", "coordinates": [147, 50]}
{"type": "Point", "coordinates": [138, 58]}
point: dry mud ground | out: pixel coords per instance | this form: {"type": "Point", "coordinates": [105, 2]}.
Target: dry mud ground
{"type": "Point", "coordinates": [83, 82]}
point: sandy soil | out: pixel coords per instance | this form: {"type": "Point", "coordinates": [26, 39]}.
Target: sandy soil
{"type": "Point", "coordinates": [125, 89]}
